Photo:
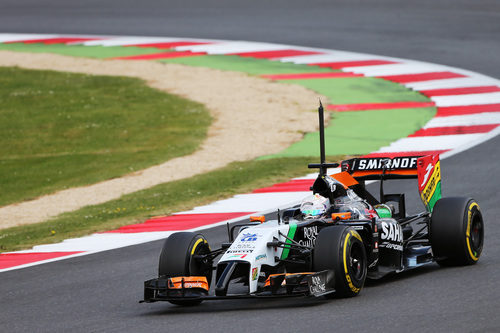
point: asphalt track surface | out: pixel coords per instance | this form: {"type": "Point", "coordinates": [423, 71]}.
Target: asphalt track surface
{"type": "Point", "coordinates": [100, 292]}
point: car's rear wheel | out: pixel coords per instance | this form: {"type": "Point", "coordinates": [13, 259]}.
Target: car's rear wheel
{"type": "Point", "coordinates": [456, 231]}
{"type": "Point", "coordinates": [177, 258]}
{"type": "Point", "coordinates": [341, 249]}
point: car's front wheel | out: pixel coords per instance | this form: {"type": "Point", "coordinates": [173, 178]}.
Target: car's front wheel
{"type": "Point", "coordinates": [340, 248]}
{"type": "Point", "coordinates": [178, 258]}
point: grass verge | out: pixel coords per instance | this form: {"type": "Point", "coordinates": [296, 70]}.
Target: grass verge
{"type": "Point", "coordinates": [361, 132]}
{"type": "Point", "coordinates": [99, 52]}
{"type": "Point", "coordinates": [164, 199]}
{"type": "Point", "coordinates": [60, 130]}
{"type": "Point", "coordinates": [248, 65]}
{"type": "Point", "coordinates": [353, 90]}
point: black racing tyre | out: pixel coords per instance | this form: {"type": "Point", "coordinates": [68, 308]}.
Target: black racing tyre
{"type": "Point", "coordinates": [176, 259]}
{"type": "Point", "coordinates": [340, 248]}
{"type": "Point", "coordinates": [456, 231]}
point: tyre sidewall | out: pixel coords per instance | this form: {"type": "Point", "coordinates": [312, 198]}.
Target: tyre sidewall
{"type": "Point", "coordinates": [177, 252]}
{"type": "Point", "coordinates": [334, 247]}
{"type": "Point", "coordinates": [451, 228]}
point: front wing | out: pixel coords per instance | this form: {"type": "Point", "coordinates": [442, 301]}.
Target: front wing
{"type": "Point", "coordinates": [277, 285]}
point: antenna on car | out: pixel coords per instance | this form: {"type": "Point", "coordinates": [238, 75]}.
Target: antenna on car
{"type": "Point", "coordinates": [322, 169]}
{"type": "Point", "coordinates": [323, 166]}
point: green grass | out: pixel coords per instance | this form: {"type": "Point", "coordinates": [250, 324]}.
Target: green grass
{"type": "Point", "coordinates": [356, 133]}
{"type": "Point", "coordinates": [250, 66]}
{"type": "Point", "coordinates": [99, 52]}
{"type": "Point", "coordinates": [164, 199]}
{"type": "Point", "coordinates": [360, 90]}
{"type": "Point", "coordinates": [60, 130]}
{"type": "Point", "coordinates": [361, 132]}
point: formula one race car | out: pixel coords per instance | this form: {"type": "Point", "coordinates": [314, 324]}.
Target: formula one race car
{"type": "Point", "coordinates": [331, 243]}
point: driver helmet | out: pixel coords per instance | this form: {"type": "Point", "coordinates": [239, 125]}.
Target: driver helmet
{"type": "Point", "coordinates": [314, 206]}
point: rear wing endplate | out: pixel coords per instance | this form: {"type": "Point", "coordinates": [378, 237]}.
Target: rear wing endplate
{"type": "Point", "coordinates": [429, 180]}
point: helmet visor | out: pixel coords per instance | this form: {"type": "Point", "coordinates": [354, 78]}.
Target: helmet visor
{"type": "Point", "coordinates": [313, 212]}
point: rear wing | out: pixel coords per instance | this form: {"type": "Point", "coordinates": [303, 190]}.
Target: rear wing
{"type": "Point", "coordinates": [381, 167]}
{"type": "Point", "coordinates": [426, 169]}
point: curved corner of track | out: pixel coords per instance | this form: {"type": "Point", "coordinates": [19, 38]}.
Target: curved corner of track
{"type": "Point", "coordinates": [467, 103]}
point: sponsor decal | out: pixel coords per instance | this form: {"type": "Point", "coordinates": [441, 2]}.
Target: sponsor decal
{"type": "Point", "coordinates": [248, 237]}
{"type": "Point", "coordinates": [428, 170]}
{"type": "Point", "coordinates": [239, 251]}
{"type": "Point", "coordinates": [374, 263]}
{"type": "Point", "coordinates": [260, 257]}
{"type": "Point", "coordinates": [431, 185]}
{"type": "Point", "coordinates": [429, 180]}
{"type": "Point", "coordinates": [392, 246]}
{"type": "Point", "coordinates": [317, 285]}
{"type": "Point", "coordinates": [310, 234]}
{"type": "Point", "coordinates": [366, 164]}
{"type": "Point", "coordinates": [187, 282]}
{"type": "Point", "coordinates": [238, 255]}
{"type": "Point", "coordinates": [193, 285]}
{"type": "Point", "coordinates": [331, 183]}
{"type": "Point", "coordinates": [392, 232]}
{"type": "Point", "coordinates": [255, 272]}
{"type": "Point", "coordinates": [243, 246]}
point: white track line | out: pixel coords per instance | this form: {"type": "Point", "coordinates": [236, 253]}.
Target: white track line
{"type": "Point", "coordinates": [469, 99]}
{"type": "Point", "coordinates": [4, 38]}
{"type": "Point", "coordinates": [394, 69]}
{"type": "Point", "coordinates": [133, 40]}
{"type": "Point", "coordinates": [252, 202]}
{"type": "Point", "coordinates": [330, 57]}
{"type": "Point", "coordinates": [336, 56]}
{"type": "Point", "coordinates": [232, 47]}
{"type": "Point", "coordinates": [121, 41]}
{"type": "Point", "coordinates": [426, 143]}
{"type": "Point", "coordinates": [485, 118]}
{"type": "Point", "coordinates": [100, 242]}
{"type": "Point", "coordinates": [462, 82]}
